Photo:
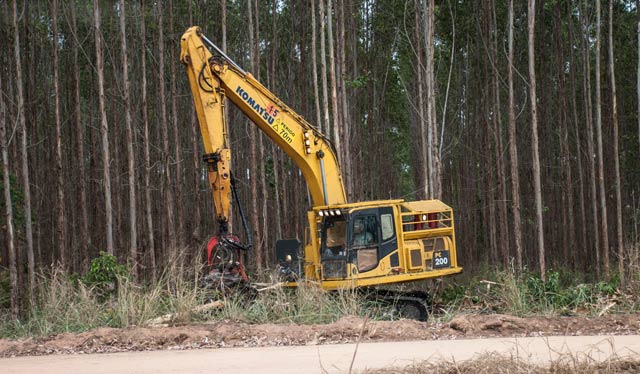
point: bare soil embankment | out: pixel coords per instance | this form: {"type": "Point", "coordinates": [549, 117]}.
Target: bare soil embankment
{"type": "Point", "coordinates": [346, 330]}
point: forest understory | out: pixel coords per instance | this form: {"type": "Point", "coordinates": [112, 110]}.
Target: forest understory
{"type": "Point", "coordinates": [105, 311]}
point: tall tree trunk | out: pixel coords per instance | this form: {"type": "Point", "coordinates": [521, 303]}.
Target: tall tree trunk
{"type": "Point", "coordinates": [582, 245]}
{"type": "Point", "coordinates": [147, 152]}
{"type": "Point", "coordinates": [263, 181]}
{"type": "Point", "coordinates": [332, 76]}
{"type": "Point", "coordinates": [104, 129]}
{"type": "Point", "coordinates": [323, 72]}
{"type": "Point", "coordinates": [497, 139]}
{"type": "Point", "coordinates": [486, 82]}
{"type": "Point", "coordinates": [253, 164]}
{"type": "Point", "coordinates": [176, 134]}
{"type": "Point", "coordinates": [274, 149]}
{"type": "Point", "coordinates": [513, 151]}
{"type": "Point", "coordinates": [61, 232]}
{"type": "Point", "coordinates": [164, 126]}
{"type": "Point", "coordinates": [590, 145]}
{"type": "Point", "coordinates": [616, 151]}
{"type": "Point", "coordinates": [569, 237]}
{"type": "Point", "coordinates": [422, 166]}
{"type": "Point", "coordinates": [314, 59]}
{"type": "Point", "coordinates": [346, 126]}
{"type": "Point", "coordinates": [603, 197]}
{"type": "Point", "coordinates": [433, 155]}
{"type": "Point", "coordinates": [25, 160]}
{"type": "Point", "coordinates": [534, 136]}
{"type": "Point", "coordinates": [85, 238]}
{"type": "Point", "coordinates": [8, 205]}
{"type": "Point", "coordinates": [133, 237]}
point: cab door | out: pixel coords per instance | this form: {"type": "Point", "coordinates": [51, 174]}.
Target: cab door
{"type": "Point", "coordinates": [371, 238]}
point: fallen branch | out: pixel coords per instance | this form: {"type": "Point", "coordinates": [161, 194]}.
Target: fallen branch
{"type": "Point", "coordinates": [606, 309]}
{"type": "Point", "coordinates": [163, 320]}
{"type": "Point", "coordinates": [489, 284]}
{"type": "Point", "coordinates": [277, 285]}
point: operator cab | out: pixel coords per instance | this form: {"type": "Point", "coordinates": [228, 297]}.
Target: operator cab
{"type": "Point", "coordinates": [354, 243]}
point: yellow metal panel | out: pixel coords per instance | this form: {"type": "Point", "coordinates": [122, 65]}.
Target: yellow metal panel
{"type": "Point", "coordinates": [388, 279]}
{"type": "Point", "coordinates": [426, 206]}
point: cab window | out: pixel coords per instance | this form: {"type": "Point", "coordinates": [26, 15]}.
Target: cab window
{"type": "Point", "coordinates": [386, 223]}
{"type": "Point", "coordinates": [334, 236]}
{"type": "Point", "coordinates": [364, 231]}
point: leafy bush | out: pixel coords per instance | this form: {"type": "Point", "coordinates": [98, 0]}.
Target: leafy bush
{"type": "Point", "coordinates": [104, 273]}
{"type": "Point", "coordinates": [524, 293]}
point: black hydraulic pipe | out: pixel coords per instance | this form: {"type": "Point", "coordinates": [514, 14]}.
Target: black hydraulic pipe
{"type": "Point", "coordinates": [245, 225]}
{"type": "Point", "coordinates": [210, 43]}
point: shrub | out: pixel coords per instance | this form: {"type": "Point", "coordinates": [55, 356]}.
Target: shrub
{"type": "Point", "coordinates": [104, 273]}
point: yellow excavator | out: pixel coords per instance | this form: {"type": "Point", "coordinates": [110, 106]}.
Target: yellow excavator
{"type": "Point", "coordinates": [366, 244]}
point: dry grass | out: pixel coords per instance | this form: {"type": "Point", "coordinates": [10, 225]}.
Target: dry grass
{"type": "Point", "coordinates": [65, 304]}
{"type": "Point", "coordinates": [498, 364]}
{"type": "Point", "coordinates": [306, 304]}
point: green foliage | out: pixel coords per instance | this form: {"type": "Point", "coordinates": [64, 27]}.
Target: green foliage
{"type": "Point", "coordinates": [526, 293]}
{"type": "Point", "coordinates": [104, 274]}
{"type": "Point", "coordinates": [357, 82]}
{"type": "Point", "coordinates": [453, 294]}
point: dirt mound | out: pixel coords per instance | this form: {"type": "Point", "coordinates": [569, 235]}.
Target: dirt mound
{"type": "Point", "coordinates": [506, 325]}
{"type": "Point", "coordinates": [346, 330]}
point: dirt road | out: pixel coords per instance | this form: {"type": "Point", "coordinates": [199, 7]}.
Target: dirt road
{"type": "Point", "coordinates": [323, 358]}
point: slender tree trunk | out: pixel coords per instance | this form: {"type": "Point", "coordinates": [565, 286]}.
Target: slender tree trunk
{"type": "Point", "coordinates": [590, 145]}
{"type": "Point", "coordinates": [274, 149]}
{"type": "Point", "coordinates": [346, 126]}
{"type": "Point", "coordinates": [323, 71]}
{"type": "Point", "coordinates": [104, 129]}
{"type": "Point", "coordinates": [423, 163]}
{"type": "Point", "coordinates": [497, 138]}
{"type": "Point", "coordinates": [164, 126]}
{"type": "Point", "coordinates": [25, 161]}
{"type": "Point", "coordinates": [332, 76]}
{"type": "Point", "coordinates": [569, 237]}
{"type": "Point", "coordinates": [253, 164]}
{"type": "Point", "coordinates": [314, 59]}
{"type": "Point", "coordinates": [8, 205]}
{"type": "Point", "coordinates": [488, 156]}
{"type": "Point", "coordinates": [616, 151]}
{"type": "Point", "coordinates": [85, 238]}
{"type": "Point", "coordinates": [513, 151]}
{"type": "Point", "coordinates": [176, 134]}
{"type": "Point", "coordinates": [147, 152]}
{"type": "Point", "coordinates": [61, 232]}
{"type": "Point", "coordinates": [133, 238]}
{"type": "Point", "coordinates": [534, 136]}
{"type": "Point", "coordinates": [263, 181]}
{"type": "Point", "coordinates": [582, 244]}
{"type": "Point", "coordinates": [432, 135]}
{"type": "Point", "coordinates": [603, 197]}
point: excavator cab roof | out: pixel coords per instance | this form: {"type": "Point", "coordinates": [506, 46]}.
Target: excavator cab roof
{"type": "Point", "coordinates": [406, 206]}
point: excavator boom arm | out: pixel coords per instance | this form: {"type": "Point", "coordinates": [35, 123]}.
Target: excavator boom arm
{"type": "Point", "coordinates": [214, 77]}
